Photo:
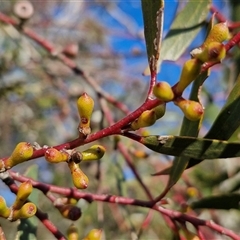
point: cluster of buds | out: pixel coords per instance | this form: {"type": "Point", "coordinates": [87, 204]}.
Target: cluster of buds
{"type": "Point", "coordinates": [85, 105]}
{"type": "Point", "coordinates": [211, 50]}
{"type": "Point", "coordinates": [149, 117]}
{"type": "Point", "coordinates": [68, 209]}
{"type": "Point", "coordinates": [22, 152]}
{"type": "Point", "coordinates": [19, 209]}
{"type": "Point", "coordinates": [73, 159]}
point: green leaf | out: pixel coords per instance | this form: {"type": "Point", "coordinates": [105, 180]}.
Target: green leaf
{"type": "Point", "coordinates": [227, 121]}
{"type": "Point", "coordinates": [227, 201]}
{"type": "Point", "coordinates": [184, 29]}
{"type": "Point", "coordinates": [189, 128]}
{"type": "Point", "coordinates": [153, 21]}
{"type": "Point", "coordinates": [199, 148]}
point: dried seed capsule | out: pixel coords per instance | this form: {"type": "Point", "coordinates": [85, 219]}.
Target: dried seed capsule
{"type": "Point", "coordinates": [72, 233]}
{"type": "Point", "coordinates": [190, 71]}
{"type": "Point", "coordinates": [95, 152]}
{"type": "Point", "coordinates": [85, 106]}
{"type": "Point", "coordinates": [191, 109]}
{"type": "Point", "coordinates": [80, 180]}
{"type": "Point", "coordinates": [24, 191]}
{"type": "Point", "coordinates": [163, 91]}
{"type": "Point", "coordinates": [147, 118]}
{"type": "Point", "coordinates": [52, 155]}
{"type": "Point", "coordinates": [69, 211]}
{"type": "Point", "coordinates": [22, 152]}
{"type": "Point", "coordinates": [4, 210]}
{"type": "Point", "coordinates": [160, 110]}
{"type": "Point", "coordinates": [218, 33]}
{"type": "Point", "coordinates": [28, 210]}
{"type": "Point", "coordinates": [94, 234]}
{"type": "Point", "coordinates": [23, 9]}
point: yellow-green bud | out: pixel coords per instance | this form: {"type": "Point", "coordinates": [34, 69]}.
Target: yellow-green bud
{"type": "Point", "coordinates": [4, 210]}
{"type": "Point", "coordinates": [163, 91]}
{"type": "Point", "coordinates": [218, 33]}
{"type": "Point", "coordinates": [22, 152]}
{"type": "Point", "coordinates": [72, 233]}
{"type": "Point", "coordinates": [214, 52]}
{"type": "Point", "coordinates": [94, 234]}
{"type": "Point", "coordinates": [85, 106]}
{"type": "Point", "coordinates": [52, 155]}
{"type": "Point", "coordinates": [191, 109]}
{"type": "Point", "coordinates": [160, 110]}
{"type": "Point", "coordinates": [95, 152]}
{"type": "Point", "coordinates": [147, 118]}
{"type": "Point", "coordinates": [190, 71]}
{"type": "Point", "coordinates": [80, 180]}
{"type": "Point", "coordinates": [28, 210]}
{"type": "Point", "coordinates": [139, 153]}
{"type": "Point", "coordinates": [24, 191]}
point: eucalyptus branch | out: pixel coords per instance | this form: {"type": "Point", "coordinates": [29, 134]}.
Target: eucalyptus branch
{"type": "Point", "coordinates": [43, 217]}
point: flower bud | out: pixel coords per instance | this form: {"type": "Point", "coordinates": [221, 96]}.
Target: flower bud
{"type": "Point", "coordinates": [218, 33]}
{"type": "Point", "coordinates": [138, 153]}
{"type": "Point", "coordinates": [192, 192]}
{"type": "Point", "coordinates": [4, 210]}
{"type": "Point", "coordinates": [24, 191]}
{"type": "Point", "coordinates": [85, 106]}
{"type": "Point", "coordinates": [190, 71]}
{"type": "Point", "coordinates": [163, 91]}
{"type": "Point", "coordinates": [71, 50]}
{"type": "Point", "coordinates": [80, 180]}
{"type": "Point", "coordinates": [22, 152]}
{"type": "Point", "coordinates": [214, 52]}
{"type": "Point", "coordinates": [69, 211]}
{"type": "Point", "coordinates": [147, 118]}
{"type": "Point", "coordinates": [28, 210]}
{"type": "Point", "coordinates": [72, 233]}
{"type": "Point", "coordinates": [160, 110]}
{"type": "Point", "coordinates": [94, 234]}
{"type": "Point", "coordinates": [191, 109]}
{"type": "Point", "coordinates": [52, 155]}
{"type": "Point", "coordinates": [95, 152]}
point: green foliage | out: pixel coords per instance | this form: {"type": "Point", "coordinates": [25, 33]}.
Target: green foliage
{"type": "Point", "coordinates": [40, 85]}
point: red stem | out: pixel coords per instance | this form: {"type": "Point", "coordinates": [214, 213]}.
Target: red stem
{"type": "Point", "coordinates": [172, 214]}
{"type": "Point", "coordinates": [39, 214]}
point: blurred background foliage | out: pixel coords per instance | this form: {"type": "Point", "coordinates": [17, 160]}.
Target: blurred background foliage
{"type": "Point", "coordinates": [38, 104]}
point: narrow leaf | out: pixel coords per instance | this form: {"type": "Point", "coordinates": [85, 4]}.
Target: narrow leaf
{"type": "Point", "coordinates": [153, 22]}
{"type": "Point", "coordinates": [183, 30]}
{"type": "Point", "coordinates": [198, 148]}
{"type": "Point", "coordinates": [189, 128]}
{"type": "Point", "coordinates": [227, 201]}
{"type": "Point", "coordinates": [227, 121]}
